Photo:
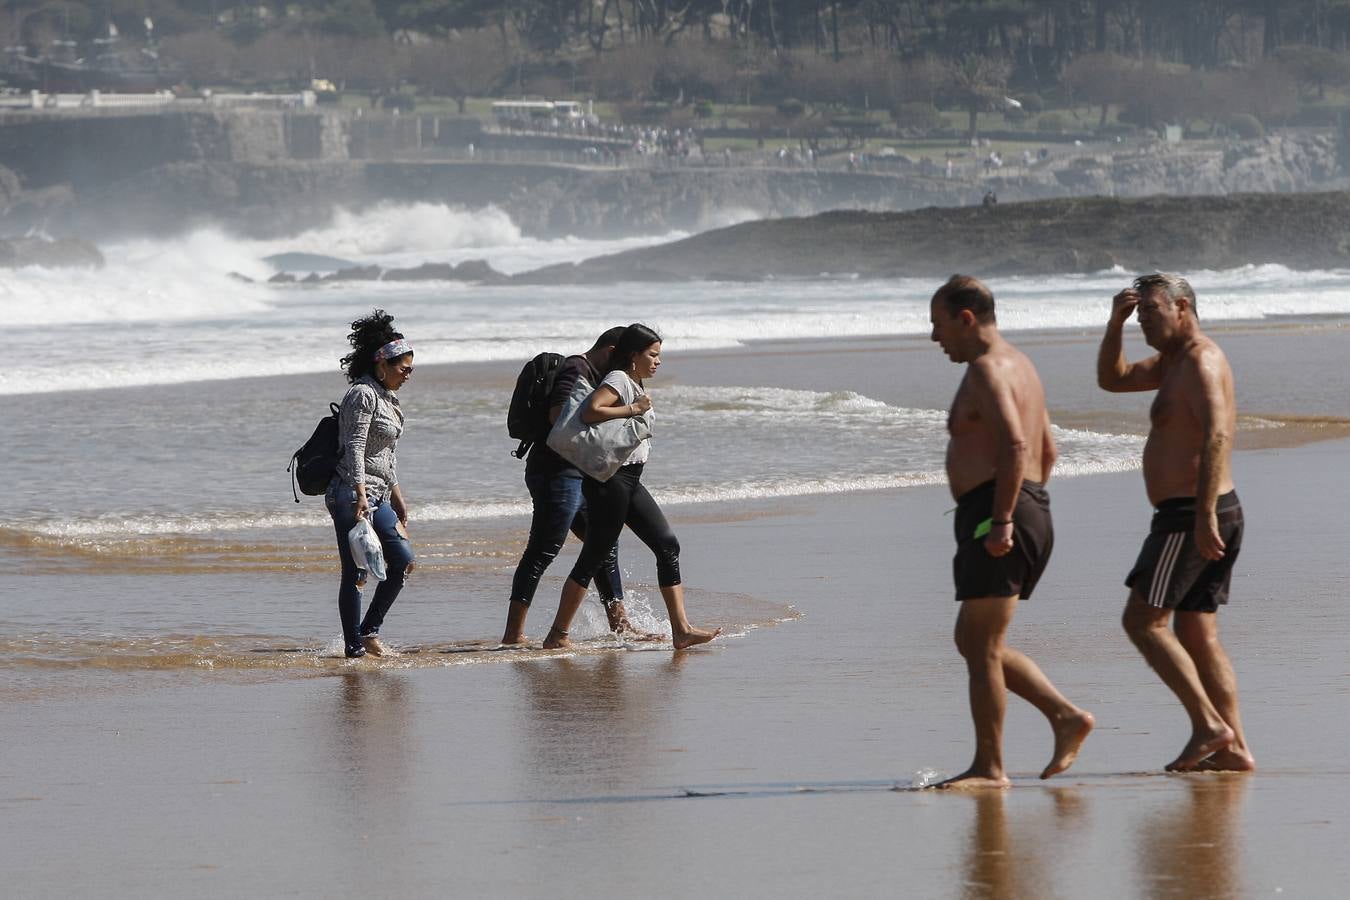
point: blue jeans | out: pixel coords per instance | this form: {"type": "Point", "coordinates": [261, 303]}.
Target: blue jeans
{"type": "Point", "coordinates": [398, 554]}
{"type": "Point", "coordinates": [558, 508]}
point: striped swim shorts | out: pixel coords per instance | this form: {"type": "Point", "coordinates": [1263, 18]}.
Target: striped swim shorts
{"type": "Point", "coordinates": [1170, 574]}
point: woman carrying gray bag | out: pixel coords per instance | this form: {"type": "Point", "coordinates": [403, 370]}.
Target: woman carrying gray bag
{"type": "Point", "coordinates": [599, 448]}
{"type": "Point", "coordinates": [620, 499]}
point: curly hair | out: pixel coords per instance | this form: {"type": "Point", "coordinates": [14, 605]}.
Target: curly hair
{"type": "Point", "coordinates": [369, 333]}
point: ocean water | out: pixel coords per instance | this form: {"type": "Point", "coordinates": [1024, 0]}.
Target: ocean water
{"type": "Point", "coordinates": [172, 386]}
{"type": "Point", "coordinates": [180, 718]}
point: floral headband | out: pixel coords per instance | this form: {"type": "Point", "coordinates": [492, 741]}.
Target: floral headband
{"type": "Point", "coordinates": [393, 350]}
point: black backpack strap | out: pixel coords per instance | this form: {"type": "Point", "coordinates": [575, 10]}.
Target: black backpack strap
{"type": "Point", "coordinates": [290, 470]}
{"type": "Point", "coordinates": [520, 451]}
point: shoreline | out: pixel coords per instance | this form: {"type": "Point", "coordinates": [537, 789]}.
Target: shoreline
{"type": "Point", "coordinates": [166, 712]}
{"type": "Point", "coordinates": [789, 734]}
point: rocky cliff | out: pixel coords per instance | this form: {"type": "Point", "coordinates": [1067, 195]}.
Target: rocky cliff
{"type": "Point", "coordinates": [1032, 238]}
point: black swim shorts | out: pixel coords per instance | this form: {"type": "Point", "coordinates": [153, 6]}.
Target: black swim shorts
{"type": "Point", "coordinates": [977, 573]}
{"type": "Point", "coordinates": [1170, 574]}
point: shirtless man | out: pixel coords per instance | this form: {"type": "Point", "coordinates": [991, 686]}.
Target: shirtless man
{"type": "Point", "coordinates": [998, 460]}
{"type": "Point", "coordinates": [1187, 559]}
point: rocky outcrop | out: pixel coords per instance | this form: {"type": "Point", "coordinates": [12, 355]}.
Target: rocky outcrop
{"type": "Point", "coordinates": [1278, 163]}
{"type": "Point", "coordinates": [257, 199]}
{"type": "Point", "coordinates": [10, 188]}
{"type": "Point", "coordinates": [1035, 238]}
{"type": "Point", "coordinates": [51, 254]}
{"type": "Point", "coordinates": [474, 270]}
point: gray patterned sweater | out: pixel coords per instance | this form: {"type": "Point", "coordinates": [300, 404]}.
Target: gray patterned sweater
{"type": "Point", "coordinates": [369, 425]}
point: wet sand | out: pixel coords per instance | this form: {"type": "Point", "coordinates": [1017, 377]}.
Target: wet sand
{"type": "Point", "coordinates": [763, 765]}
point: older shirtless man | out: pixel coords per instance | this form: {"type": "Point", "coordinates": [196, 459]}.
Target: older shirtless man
{"type": "Point", "coordinates": [998, 460]}
{"type": "Point", "coordinates": [1184, 568]}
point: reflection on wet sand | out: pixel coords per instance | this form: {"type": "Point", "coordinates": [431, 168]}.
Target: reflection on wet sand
{"type": "Point", "coordinates": [594, 715]}
{"type": "Point", "coordinates": [367, 749]}
{"type": "Point", "coordinates": [988, 865]}
{"type": "Point", "coordinates": [1190, 847]}
{"type": "Point", "coordinates": [998, 865]}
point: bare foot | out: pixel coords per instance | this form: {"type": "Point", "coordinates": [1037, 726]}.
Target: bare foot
{"type": "Point", "coordinates": [1227, 760]}
{"type": "Point", "coordinates": [971, 780]}
{"type": "Point", "coordinates": [514, 632]}
{"type": "Point", "coordinates": [1199, 747]}
{"type": "Point", "coordinates": [376, 647]}
{"type": "Point", "coordinates": [1070, 733]}
{"type": "Point", "coordinates": [617, 616]}
{"type": "Point", "coordinates": [693, 637]}
{"type": "Point", "coordinates": [557, 639]}
{"type": "Point", "coordinates": [628, 631]}
{"type": "Point", "coordinates": [620, 625]}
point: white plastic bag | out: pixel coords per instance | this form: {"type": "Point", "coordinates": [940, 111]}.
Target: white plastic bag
{"type": "Point", "coordinates": [366, 551]}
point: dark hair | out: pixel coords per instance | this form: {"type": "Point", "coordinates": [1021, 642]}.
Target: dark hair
{"type": "Point", "coordinates": [967, 292]}
{"type": "Point", "coordinates": [1173, 287]}
{"type": "Point", "coordinates": [635, 338]}
{"type": "Point", "coordinates": [369, 334]}
{"type": "Point", "coordinates": [610, 338]}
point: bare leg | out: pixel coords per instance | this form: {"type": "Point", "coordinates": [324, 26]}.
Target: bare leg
{"type": "Point", "coordinates": [515, 623]}
{"type": "Point", "coordinates": [683, 634]}
{"type": "Point", "coordinates": [568, 604]}
{"type": "Point", "coordinates": [980, 626]}
{"type": "Point", "coordinates": [1199, 634]}
{"type": "Point", "coordinates": [1147, 627]}
{"type": "Point", "coordinates": [1070, 724]}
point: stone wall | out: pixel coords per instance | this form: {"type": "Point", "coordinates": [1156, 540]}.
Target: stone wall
{"type": "Point", "coordinates": [270, 171]}
{"type": "Point", "coordinates": [91, 150]}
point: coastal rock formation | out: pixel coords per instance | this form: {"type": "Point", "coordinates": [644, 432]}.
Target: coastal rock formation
{"type": "Point", "coordinates": [51, 254]}
{"type": "Point", "coordinates": [9, 186]}
{"type": "Point", "coordinates": [1275, 164]}
{"type": "Point", "coordinates": [474, 270]}
{"type": "Point", "coordinates": [269, 173]}
{"type": "Point", "coordinates": [1301, 231]}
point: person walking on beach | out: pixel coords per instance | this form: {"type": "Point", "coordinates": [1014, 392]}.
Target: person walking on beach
{"type": "Point", "coordinates": [1186, 563]}
{"type": "Point", "coordinates": [623, 500]}
{"type": "Point", "coordinates": [555, 491]}
{"type": "Point", "coordinates": [366, 482]}
{"type": "Point", "coordinates": [999, 456]}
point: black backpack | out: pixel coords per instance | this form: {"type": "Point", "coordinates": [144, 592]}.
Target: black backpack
{"type": "Point", "coordinates": [313, 465]}
{"type": "Point", "coordinates": [527, 419]}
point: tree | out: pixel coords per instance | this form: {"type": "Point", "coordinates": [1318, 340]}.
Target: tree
{"type": "Point", "coordinates": [626, 73]}
{"type": "Point", "coordinates": [692, 70]}
{"type": "Point", "coordinates": [1163, 94]}
{"type": "Point", "coordinates": [1314, 67]}
{"type": "Point", "coordinates": [977, 83]}
{"type": "Point", "coordinates": [470, 65]}
{"type": "Point", "coordinates": [1099, 78]}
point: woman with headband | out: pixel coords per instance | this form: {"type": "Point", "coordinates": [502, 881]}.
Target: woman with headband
{"type": "Point", "coordinates": [366, 482]}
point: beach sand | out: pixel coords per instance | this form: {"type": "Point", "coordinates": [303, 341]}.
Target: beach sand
{"type": "Point", "coordinates": [764, 765]}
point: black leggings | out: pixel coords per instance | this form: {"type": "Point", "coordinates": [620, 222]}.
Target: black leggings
{"type": "Point", "coordinates": [618, 502]}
